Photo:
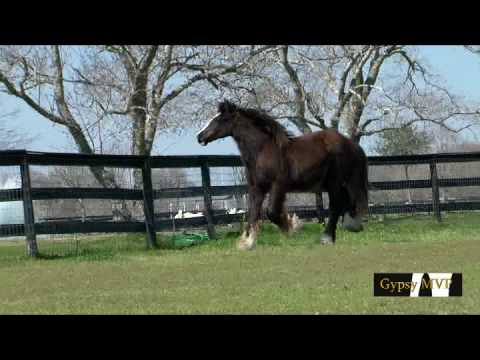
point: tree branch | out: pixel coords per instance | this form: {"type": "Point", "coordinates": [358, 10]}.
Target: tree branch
{"type": "Point", "coordinates": [11, 89]}
{"type": "Point", "coordinates": [298, 90]}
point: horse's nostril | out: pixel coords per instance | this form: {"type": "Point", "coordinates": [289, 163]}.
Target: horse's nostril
{"type": "Point", "coordinates": [201, 140]}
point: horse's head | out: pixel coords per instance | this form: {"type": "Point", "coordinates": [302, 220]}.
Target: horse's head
{"type": "Point", "coordinates": [220, 126]}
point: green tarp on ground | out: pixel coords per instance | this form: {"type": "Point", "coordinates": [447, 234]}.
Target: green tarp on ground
{"type": "Point", "coordinates": [188, 239]}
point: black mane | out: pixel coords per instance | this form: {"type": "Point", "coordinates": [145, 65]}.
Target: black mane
{"type": "Point", "coordinates": [262, 121]}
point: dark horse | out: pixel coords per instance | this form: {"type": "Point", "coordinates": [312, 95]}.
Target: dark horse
{"type": "Point", "coordinates": [276, 163]}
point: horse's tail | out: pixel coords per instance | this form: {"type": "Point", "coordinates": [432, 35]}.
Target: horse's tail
{"type": "Point", "coordinates": [358, 184]}
{"type": "Point", "coordinates": [362, 199]}
{"type": "Point", "coordinates": [362, 205]}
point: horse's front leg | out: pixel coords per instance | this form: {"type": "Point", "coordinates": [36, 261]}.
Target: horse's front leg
{"type": "Point", "coordinates": [249, 236]}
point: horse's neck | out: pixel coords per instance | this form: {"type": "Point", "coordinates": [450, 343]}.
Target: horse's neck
{"type": "Point", "coordinates": [250, 145]}
{"type": "Point", "coordinates": [248, 151]}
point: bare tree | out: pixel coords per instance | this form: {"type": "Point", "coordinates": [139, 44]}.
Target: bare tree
{"type": "Point", "coordinates": [36, 76]}
{"type": "Point", "coordinates": [357, 89]}
{"type": "Point", "coordinates": [115, 93]}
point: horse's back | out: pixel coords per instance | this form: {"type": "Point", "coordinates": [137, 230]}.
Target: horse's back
{"type": "Point", "coordinates": [320, 144]}
{"type": "Point", "coordinates": [313, 156]}
{"type": "Point", "coordinates": [308, 157]}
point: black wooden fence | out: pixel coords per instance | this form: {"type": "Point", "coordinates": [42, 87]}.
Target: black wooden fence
{"type": "Point", "coordinates": [151, 224]}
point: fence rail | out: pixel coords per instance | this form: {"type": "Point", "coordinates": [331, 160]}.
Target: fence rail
{"type": "Point", "coordinates": [105, 224]}
{"type": "Point", "coordinates": [197, 191]}
{"type": "Point", "coordinates": [27, 194]}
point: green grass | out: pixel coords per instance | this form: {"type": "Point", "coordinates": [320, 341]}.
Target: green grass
{"type": "Point", "coordinates": [296, 275]}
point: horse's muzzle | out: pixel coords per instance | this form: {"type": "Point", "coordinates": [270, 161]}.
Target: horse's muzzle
{"type": "Point", "coordinates": [201, 140]}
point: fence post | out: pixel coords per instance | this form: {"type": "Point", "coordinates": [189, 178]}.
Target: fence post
{"type": "Point", "coordinates": [319, 207]}
{"type": "Point", "coordinates": [435, 191]}
{"type": "Point", "coordinates": [29, 217]}
{"type": "Point", "coordinates": [148, 205]}
{"type": "Point", "coordinates": [207, 199]}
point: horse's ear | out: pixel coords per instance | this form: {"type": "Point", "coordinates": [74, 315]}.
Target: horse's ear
{"type": "Point", "coordinates": [226, 107]}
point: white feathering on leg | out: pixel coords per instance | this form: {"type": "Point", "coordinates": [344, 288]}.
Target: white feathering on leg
{"type": "Point", "coordinates": [352, 224]}
{"type": "Point", "coordinates": [247, 242]}
{"type": "Point", "coordinates": [326, 239]}
{"type": "Point", "coordinates": [294, 223]}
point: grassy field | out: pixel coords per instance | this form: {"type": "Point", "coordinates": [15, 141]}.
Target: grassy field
{"type": "Point", "coordinates": [296, 275]}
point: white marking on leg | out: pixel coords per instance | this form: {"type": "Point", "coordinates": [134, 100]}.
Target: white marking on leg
{"type": "Point", "coordinates": [294, 223]}
{"type": "Point", "coordinates": [248, 242]}
{"type": "Point", "coordinates": [242, 243]}
{"type": "Point", "coordinates": [326, 239]}
{"type": "Point", "coordinates": [208, 123]}
{"type": "Point", "coordinates": [352, 224]}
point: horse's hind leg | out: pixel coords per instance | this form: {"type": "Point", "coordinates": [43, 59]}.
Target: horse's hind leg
{"type": "Point", "coordinates": [249, 237]}
{"type": "Point", "coordinates": [277, 213]}
{"type": "Point", "coordinates": [352, 221]}
{"type": "Point", "coordinates": [334, 212]}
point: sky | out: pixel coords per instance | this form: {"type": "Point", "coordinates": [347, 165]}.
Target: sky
{"type": "Point", "coordinates": [460, 70]}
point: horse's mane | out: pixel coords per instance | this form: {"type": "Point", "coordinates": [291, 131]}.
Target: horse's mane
{"type": "Point", "coordinates": [267, 124]}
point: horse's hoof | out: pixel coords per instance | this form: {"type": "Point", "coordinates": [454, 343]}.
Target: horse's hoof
{"type": "Point", "coordinates": [326, 240]}
{"type": "Point", "coordinates": [352, 224]}
{"type": "Point", "coordinates": [295, 224]}
{"type": "Point", "coordinates": [247, 242]}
